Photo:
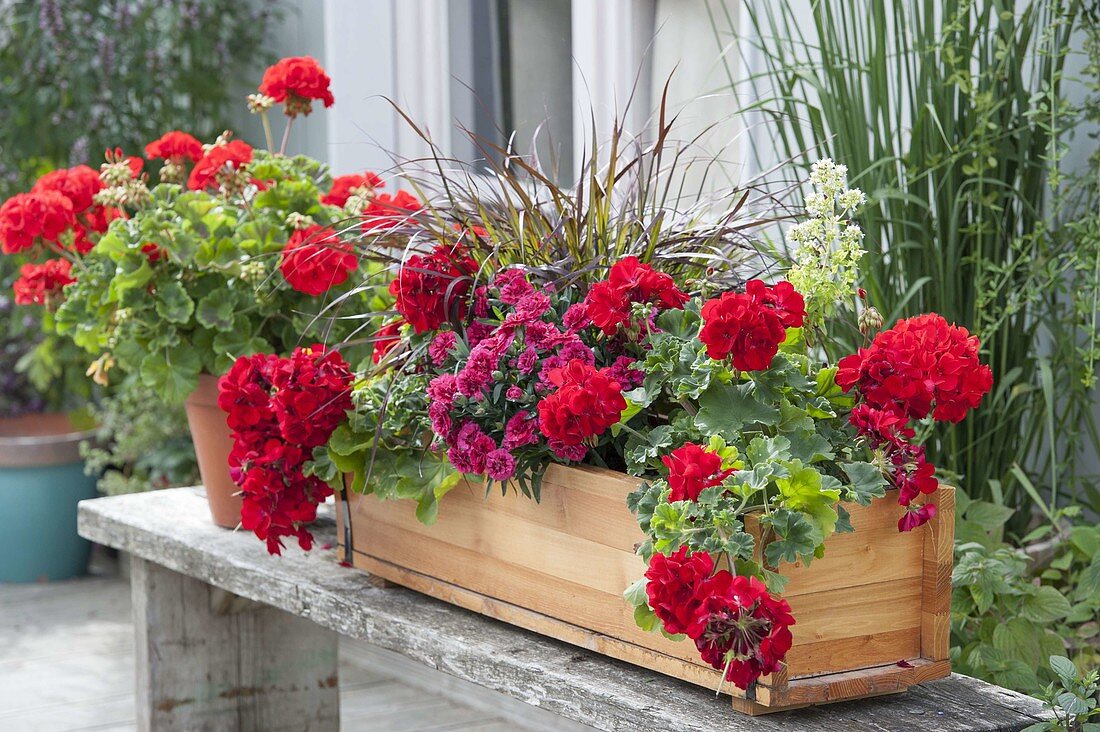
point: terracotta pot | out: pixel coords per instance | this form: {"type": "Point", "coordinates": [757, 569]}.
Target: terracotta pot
{"type": "Point", "coordinates": [213, 441]}
{"type": "Point", "coordinates": [41, 481]}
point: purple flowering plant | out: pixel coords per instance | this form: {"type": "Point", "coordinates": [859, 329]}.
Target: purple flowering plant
{"type": "Point", "coordinates": [483, 402]}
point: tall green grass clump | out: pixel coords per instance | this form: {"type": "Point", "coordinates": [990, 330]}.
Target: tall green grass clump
{"type": "Point", "coordinates": [953, 116]}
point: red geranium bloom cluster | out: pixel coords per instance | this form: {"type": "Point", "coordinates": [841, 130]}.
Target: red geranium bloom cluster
{"type": "Point", "coordinates": [219, 161]}
{"type": "Point", "coordinates": [279, 410]}
{"type": "Point", "coordinates": [175, 147]}
{"type": "Point", "coordinates": [344, 186]}
{"type": "Point", "coordinates": [80, 184]}
{"type": "Point", "coordinates": [387, 212]}
{"type": "Point", "coordinates": [691, 470]}
{"type": "Point", "coordinates": [585, 404]}
{"type": "Point", "coordinates": [920, 367]}
{"type": "Point", "coordinates": [26, 217]}
{"type": "Point", "coordinates": [39, 283]}
{"type": "Point", "coordinates": [316, 259]}
{"type": "Point", "coordinates": [751, 325]}
{"type": "Point", "coordinates": [736, 624]}
{"type": "Point", "coordinates": [432, 288]}
{"type": "Point", "coordinates": [297, 81]}
{"type": "Point", "coordinates": [608, 303]}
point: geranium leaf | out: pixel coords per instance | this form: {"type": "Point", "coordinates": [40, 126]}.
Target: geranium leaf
{"type": "Point", "coordinates": [867, 482]}
{"type": "Point", "coordinates": [215, 311]}
{"type": "Point", "coordinates": [636, 594]}
{"type": "Point", "coordinates": [725, 409]}
{"type": "Point", "coordinates": [809, 446]}
{"type": "Point", "coordinates": [173, 302]}
{"type": "Point", "coordinates": [173, 372]}
{"type": "Point", "coordinates": [796, 537]}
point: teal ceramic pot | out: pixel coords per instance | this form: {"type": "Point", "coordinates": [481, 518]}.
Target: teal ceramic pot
{"type": "Point", "coordinates": [41, 481]}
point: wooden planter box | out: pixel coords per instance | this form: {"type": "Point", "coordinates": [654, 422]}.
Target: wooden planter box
{"type": "Point", "coordinates": [560, 567]}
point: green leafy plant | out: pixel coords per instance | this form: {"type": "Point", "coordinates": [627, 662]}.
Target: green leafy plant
{"type": "Point", "coordinates": [1072, 698]}
{"type": "Point", "coordinates": [192, 279]}
{"type": "Point", "coordinates": [138, 448]}
{"type": "Point", "coordinates": [1010, 608]}
{"type": "Point", "coordinates": [952, 116]}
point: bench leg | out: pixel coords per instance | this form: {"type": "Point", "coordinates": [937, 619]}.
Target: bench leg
{"type": "Point", "coordinates": [205, 662]}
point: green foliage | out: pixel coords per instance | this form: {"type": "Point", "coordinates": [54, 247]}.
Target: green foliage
{"type": "Point", "coordinates": [384, 444]}
{"type": "Point", "coordinates": [216, 293]}
{"type": "Point", "coordinates": [1001, 619]}
{"type": "Point", "coordinates": [1010, 611]}
{"type": "Point", "coordinates": [81, 76]}
{"type": "Point", "coordinates": [1072, 697]}
{"type": "Point", "coordinates": [138, 448]}
{"type": "Point", "coordinates": [953, 117]}
{"type": "Point", "coordinates": [793, 459]}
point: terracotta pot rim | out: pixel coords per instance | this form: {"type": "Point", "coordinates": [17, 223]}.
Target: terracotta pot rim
{"type": "Point", "coordinates": [55, 443]}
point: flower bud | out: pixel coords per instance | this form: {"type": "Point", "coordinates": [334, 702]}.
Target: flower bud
{"type": "Point", "coordinates": [298, 221]}
{"type": "Point", "coordinates": [870, 320]}
{"type": "Point", "coordinates": [258, 103]}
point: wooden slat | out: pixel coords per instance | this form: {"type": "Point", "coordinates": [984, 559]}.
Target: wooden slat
{"type": "Point", "coordinates": [875, 649]}
{"type": "Point", "coordinates": [518, 585]}
{"type": "Point", "coordinates": [603, 519]}
{"type": "Point", "coordinates": [838, 614]}
{"type": "Point", "coordinates": [692, 672]}
{"type": "Point", "coordinates": [859, 684]}
{"type": "Point", "coordinates": [466, 524]}
{"type": "Point", "coordinates": [939, 544]}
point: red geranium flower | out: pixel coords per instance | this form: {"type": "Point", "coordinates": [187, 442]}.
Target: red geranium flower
{"type": "Point", "coordinates": [386, 211]}
{"type": "Point", "coordinates": [915, 517]}
{"type": "Point", "coordinates": [751, 326]}
{"type": "Point", "coordinates": [40, 283]}
{"type": "Point", "coordinates": [345, 185]}
{"type": "Point", "coordinates": [922, 365]}
{"type": "Point", "coordinates": [279, 409]}
{"type": "Point", "coordinates": [316, 259]}
{"type": "Point", "coordinates": [608, 303]}
{"type": "Point", "coordinates": [297, 80]}
{"type": "Point", "coordinates": [676, 587]}
{"type": "Point", "coordinates": [221, 159]}
{"type": "Point", "coordinates": [691, 470]}
{"type": "Point", "coordinates": [78, 184]}
{"type": "Point", "coordinates": [781, 297]}
{"type": "Point", "coordinates": [430, 289]}
{"type": "Point", "coordinates": [585, 404]}
{"type": "Point", "coordinates": [175, 146]}
{"type": "Point", "coordinates": [740, 628]}
{"type": "Point", "coordinates": [27, 216]}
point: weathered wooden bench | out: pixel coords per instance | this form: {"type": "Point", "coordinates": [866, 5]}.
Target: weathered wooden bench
{"type": "Point", "coordinates": [231, 638]}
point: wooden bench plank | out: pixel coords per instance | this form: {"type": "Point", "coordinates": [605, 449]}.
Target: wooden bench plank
{"type": "Point", "coordinates": [172, 528]}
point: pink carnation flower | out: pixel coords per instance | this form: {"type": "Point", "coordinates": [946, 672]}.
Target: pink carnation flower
{"type": "Point", "coordinates": [500, 465]}
{"type": "Point", "coordinates": [441, 346]}
{"type": "Point", "coordinates": [522, 429]}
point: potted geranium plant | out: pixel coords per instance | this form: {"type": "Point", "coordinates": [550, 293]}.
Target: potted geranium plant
{"type": "Point", "coordinates": [674, 420]}
{"type": "Point", "coordinates": [235, 251]}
